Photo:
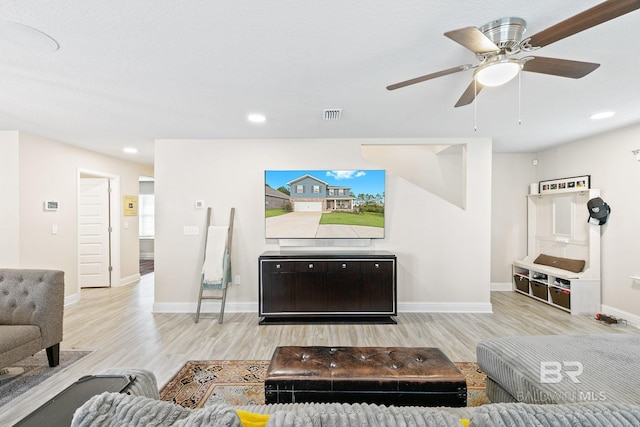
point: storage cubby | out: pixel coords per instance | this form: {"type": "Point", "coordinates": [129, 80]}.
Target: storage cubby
{"type": "Point", "coordinates": [562, 289]}
{"type": "Point", "coordinates": [521, 282]}
{"type": "Point", "coordinates": [539, 290]}
{"type": "Point", "coordinates": [576, 293]}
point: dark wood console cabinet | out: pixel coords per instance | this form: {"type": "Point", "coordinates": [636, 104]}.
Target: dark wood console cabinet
{"type": "Point", "coordinates": [301, 287]}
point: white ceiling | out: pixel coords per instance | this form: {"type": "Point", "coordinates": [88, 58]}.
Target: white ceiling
{"type": "Point", "coordinates": [128, 72]}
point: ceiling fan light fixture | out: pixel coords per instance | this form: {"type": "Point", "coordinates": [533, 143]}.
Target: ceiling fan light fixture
{"type": "Point", "coordinates": [497, 73]}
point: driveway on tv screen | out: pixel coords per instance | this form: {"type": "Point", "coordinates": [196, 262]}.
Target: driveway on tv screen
{"type": "Point", "coordinates": [307, 225]}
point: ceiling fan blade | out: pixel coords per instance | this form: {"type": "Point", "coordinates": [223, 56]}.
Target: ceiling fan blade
{"type": "Point", "coordinates": [603, 12]}
{"type": "Point", "coordinates": [473, 39]}
{"type": "Point", "coordinates": [470, 94]}
{"type": "Point", "coordinates": [429, 77]}
{"type": "Point", "coordinates": [558, 67]}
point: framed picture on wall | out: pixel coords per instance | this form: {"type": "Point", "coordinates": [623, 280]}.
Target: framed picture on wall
{"type": "Point", "coordinates": [562, 185]}
{"type": "Point", "coordinates": [130, 206]}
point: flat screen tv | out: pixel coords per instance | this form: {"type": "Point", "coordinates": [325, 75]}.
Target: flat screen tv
{"type": "Point", "coordinates": [324, 204]}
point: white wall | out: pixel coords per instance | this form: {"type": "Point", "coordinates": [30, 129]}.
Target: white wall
{"type": "Point", "coordinates": [512, 174]}
{"type": "Point", "coordinates": [443, 250]}
{"type": "Point", "coordinates": [48, 170]}
{"type": "Point", "coordinates": [616, 172]}
{"type": "Point", "coordinates": [9, 197]}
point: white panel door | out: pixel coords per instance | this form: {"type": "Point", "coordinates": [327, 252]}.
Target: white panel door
{"type": "Point", "coordinates": [93, 233]}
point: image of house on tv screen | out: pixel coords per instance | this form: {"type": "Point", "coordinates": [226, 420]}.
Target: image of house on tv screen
{"type": "Point", "coordinates": [324, 204]}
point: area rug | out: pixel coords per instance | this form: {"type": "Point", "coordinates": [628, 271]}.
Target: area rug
{"type": "Point", "coordinates": [146, 266]}
{"type": "Point", "coordinates": [201, 383]}
{"type": "Point", "coordinates": [36, 370]}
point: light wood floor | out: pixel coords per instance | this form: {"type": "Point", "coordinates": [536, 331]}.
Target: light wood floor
{"type": "Point", "coordinates": [118, 326]}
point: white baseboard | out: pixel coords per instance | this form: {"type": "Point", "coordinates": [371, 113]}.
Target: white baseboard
{"type": "Point", "coordinates": [129, 280]}
{"type": "Point", "coordinates": [207, 307]}
{"type": "Point", "coordinates": [632, 319]}
{"type": "Point", "coordinates": [251, 307]}
{"type": "Point", "coordinates": [71, 299]}
{"type": "Point", "coordinates": [445, 307]}
{"type": "Point", "coordinates": [501, 287]}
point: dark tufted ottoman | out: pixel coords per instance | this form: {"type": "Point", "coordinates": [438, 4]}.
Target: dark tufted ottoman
{"type": "Point", "coordinates": [398, 376]}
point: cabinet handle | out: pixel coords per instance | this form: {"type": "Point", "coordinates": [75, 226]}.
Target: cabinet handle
{"type": "Point", "coordinates": [376, 265]}
{"type": "Point", "coordinates": [344, 265]}
{"type": "Point", "coordinates": [310, 265]}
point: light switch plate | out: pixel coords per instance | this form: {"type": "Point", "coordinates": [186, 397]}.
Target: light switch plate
{"type": "Point", "coordinates": [191, 230]}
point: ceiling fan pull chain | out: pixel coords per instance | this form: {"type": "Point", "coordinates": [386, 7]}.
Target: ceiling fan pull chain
{"type": "Point", "coordinates": [475, 105]}
{"type": "Point", "coordinates": [519, 98]}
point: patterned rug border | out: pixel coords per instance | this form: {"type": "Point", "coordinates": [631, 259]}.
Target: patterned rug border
{"type": "Point", "coordinates": [199, 383]}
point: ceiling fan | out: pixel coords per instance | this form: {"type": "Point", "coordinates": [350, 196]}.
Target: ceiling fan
{"type": "Point", "coordinates": [496, 44]}
{"type": "Point", "coordinates": [27, 36]}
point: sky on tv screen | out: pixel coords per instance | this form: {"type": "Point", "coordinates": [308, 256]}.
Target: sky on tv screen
{"type": "Point", "coordinates": [361, 181]}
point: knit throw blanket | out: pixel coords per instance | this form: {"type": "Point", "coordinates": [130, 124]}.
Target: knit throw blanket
{"type": "Point", "coordinates": [114, 409]}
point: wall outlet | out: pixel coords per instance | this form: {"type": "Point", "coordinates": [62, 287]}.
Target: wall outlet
{"type": "Point", "coordinates": [236, 279]}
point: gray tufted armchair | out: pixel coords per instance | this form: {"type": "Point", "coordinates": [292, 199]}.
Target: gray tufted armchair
{"type": "Point", "coordinates": [31, 309]}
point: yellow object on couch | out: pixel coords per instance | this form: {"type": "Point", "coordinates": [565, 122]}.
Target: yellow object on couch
{"type": "Point", "coordinates": [250, 419]}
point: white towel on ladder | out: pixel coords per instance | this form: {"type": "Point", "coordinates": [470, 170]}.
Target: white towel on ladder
{"type": "Point", "coordinates": [213, 267]}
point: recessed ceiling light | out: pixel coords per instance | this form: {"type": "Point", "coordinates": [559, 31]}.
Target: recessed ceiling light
{"type": "Point", "coordinates": [256, 118]}
{"type": "Point", "coordinates": [602, 115]}
{"type": "Point", "coordinates": [130, 150]}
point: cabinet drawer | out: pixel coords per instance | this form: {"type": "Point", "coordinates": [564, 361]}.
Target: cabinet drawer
{"type": "Point", "coordinates": [347, 266]}
{"type": "Point", "coordinates": [376, 266]}
{"type": "Point", "coordinates": [294, 266]}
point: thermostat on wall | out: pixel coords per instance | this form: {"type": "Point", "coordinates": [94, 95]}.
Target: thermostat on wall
{"type": "Point", "coordinates": [51, 205]}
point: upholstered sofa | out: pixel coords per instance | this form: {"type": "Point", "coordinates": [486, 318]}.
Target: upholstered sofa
{"type": "Point", "coordinates": [31, 309]}
{"type": "Point", "coordinates": [140, 406]}
{"type": "Point", "coordinates": [562, 368]}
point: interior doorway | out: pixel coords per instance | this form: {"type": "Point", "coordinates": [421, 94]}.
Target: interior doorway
{"type": "Point", "coordinates": [98, 229]}
{"type": "Point", "coordinates": [146, 205]}
{"type": "Point", "coordinates": [94, 233]}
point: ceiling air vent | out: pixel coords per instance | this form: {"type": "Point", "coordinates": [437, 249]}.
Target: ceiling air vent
{"type": "Point", "coordinates": [332, 114]}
